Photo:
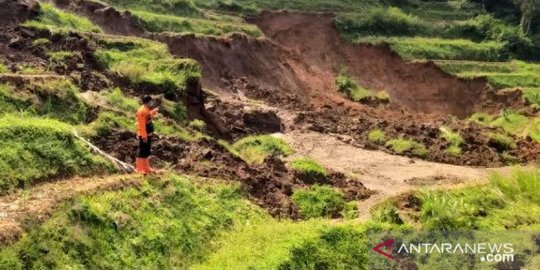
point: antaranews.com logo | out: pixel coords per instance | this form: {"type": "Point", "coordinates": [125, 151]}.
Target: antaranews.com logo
{"type": "Point", "coordinates": [486, 252]}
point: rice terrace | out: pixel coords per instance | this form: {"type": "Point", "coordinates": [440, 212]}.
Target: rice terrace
{"type": "Point", "coordinates": [270, 134]}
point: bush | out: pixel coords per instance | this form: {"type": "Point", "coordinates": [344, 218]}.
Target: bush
{"type": "Point", "coordinates": [377, 136]}
{"type": "Point", "coordinates": [319, 201]}
{"type": "Point", "coordinates": [401, 146]}
{"type": "Point", "coordinates": [254, 149]}
{"type": "Point", "coordinates": [38, 149]}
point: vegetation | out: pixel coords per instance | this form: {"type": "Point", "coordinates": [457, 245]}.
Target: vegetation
{"type": "Point", "coordinates": [319, 201]}
{"type": "Point", "coordinates": [165, 223]}
{"type": "Point", "coordinates": [56, 20]}
{"type": "Point", "coordinates": [52, 98]}
{"type": "Point", "coordinates": [402, 146]}
{"type": "Point", "coordinates": [47, 149]}
{"type": "Point", "coordinates": [172, 7]}
{"type": "Point", "coordinates": [454, 141]}
{"type": "Point", "coordinates": [309, 168]}
{"type": "Point", "coordinates": [255, 149]}
{"type": "Point", "coordinates": [377, 136]}
{"type": "Point", "coordinates": [356, 92]}
{"type": "Point", "coordinates": [165, 23]}
{"type": "Point", "coordinates": [147, 63]}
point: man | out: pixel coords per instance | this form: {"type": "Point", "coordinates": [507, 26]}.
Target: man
{"type": "Point", "coordinates": [145, 131]}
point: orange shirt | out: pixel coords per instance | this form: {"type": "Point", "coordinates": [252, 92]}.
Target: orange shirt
{"type": "Point", "coordinates": [144, 116]}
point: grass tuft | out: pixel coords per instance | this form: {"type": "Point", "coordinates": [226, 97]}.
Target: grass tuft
{"type": "Point", "coordinates": [254, 149]}
{"type": "Point", "coordinates": [401, 146]}
{"type": "Point", "coordinates": [319, 201]}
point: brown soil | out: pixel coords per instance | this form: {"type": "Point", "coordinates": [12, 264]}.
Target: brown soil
{"type": "Point", "coordinates": [269, 185]}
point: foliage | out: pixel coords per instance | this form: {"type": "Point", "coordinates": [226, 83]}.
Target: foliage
{"type": "Point", "coordinates": [386, 213]}
{"type": "Point", "coordinates": [384, 21]}
{"type": "Point", "coordinates": [166, 23]}
{"type": "Point", "coordinates": [498, 205]}
{"type": "Point", "coordinates": [147, 63]}
{"type": "Point", "coordinates": [164, 223]}
{"type": "Point", "coordinates": [356, 92]}
{"type": "Point", "coordinates": [172, 7]}
{"type": "Point", "coordinates": [502, 142]}
{"type": "Point", "coordinates": [3, 67]}
{"type": "Point", "coordinates": [377, 136]}
{"type": "Point", "coordinates": [454, 141]}
{"type": "Point", "coordinates": [402, 146]}
{"type": "Point", "coordinates": [56, 20]}
{"type": "Point", "coordinates": [309, 167]}
{"type": "Point", "coordinates": [55, 98]}
{"type": "Point", "coordinates": [37, 149]}
{"type": "Point", "coordinates": [339, 247]}
{"type": "Point", "coordinates": [254, 149]}
{"type": "Point", "coordinates": [319, 201]}
{"type": "Point", "coordinates": [197, 124]}
{"type": "Point", "coordinates": [261, 244]}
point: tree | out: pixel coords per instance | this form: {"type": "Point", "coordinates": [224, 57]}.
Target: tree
{"type": "Point", "coordinates": [529, 9]}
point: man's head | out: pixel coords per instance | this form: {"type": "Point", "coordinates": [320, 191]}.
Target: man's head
{"type": "Point", "coordinates": [146, 99]}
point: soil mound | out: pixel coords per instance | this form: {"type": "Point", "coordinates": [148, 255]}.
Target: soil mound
{"type": "Point", "coordinates": [13, 12]}
{"type": "Point", "coordinates": [269, 185]}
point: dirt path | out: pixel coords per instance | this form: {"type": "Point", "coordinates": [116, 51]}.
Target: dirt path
{"type": "Point", "coordinates": [37, 203]}
{"type": "Point", "coordinates": [387, 175]}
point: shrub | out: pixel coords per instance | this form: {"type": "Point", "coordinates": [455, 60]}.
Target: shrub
{"type": "Point", "coordinates": [387, 213]}
{"type": "Point", "coordinates": [319, 201]}
{"type": "Point", "coordinates": [402, 146]}
{"type": "Point", "coordinates": [377, 136]}
{"type": "Point", "coordinates": [37, 149]}
{"type": "Point", "coordinates": [254, 149]}
{"type": "Point", "coordinates": [309, 169]}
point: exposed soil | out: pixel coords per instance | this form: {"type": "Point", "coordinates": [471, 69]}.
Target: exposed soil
{"type": "Point", "coordinates": [386, 175]}
{"type": "Point", "coordinates": [269, 185]}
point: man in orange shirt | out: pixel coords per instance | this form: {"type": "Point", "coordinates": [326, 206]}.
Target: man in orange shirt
{"type": "Point", "coordinates": [145, 131]}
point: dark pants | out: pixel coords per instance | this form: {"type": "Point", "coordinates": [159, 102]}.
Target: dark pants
{"type": "Point", "coordinates": [144, 148]}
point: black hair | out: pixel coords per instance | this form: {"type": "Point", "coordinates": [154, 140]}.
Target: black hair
{"type": "Point", "coordinates": [146, 99]}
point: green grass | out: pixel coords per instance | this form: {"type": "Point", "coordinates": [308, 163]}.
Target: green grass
{"type": "Point", "coordinates": [54, 19]}
{"type": "Point", "coordinates": [499, 74]}
{"type": "Point", "coordinates": [355, 92]}
{"type": "Point", "coordinates": [147, 64]}
{"type": "Point", "coordinates": [412, 48]}
{"type": "Point", "coordinates": [254, 149]}
{"type": "Point", "coordinates": [505, 203]}
{"type": "Point", "coordinates": [402, 146]}
{"type": "Point", "coordinates": [36, 149]}
{"type": "Point", "coordinates": [319, 201]}
{"type": "Point", "coordinates": [309, 167]}
{"type": "Point", "coordinates": [251, 7]}
{"type": "Point", "coordinates": [165, 23]}
{"type": "Point", "coordinates": [502, 141]}
{"type": "Point", "coordinates": [261, 244]}
{"type": "Point", "coordinates": [54, 98]}
{"type": "Point", "coordinates": [165, 223]}
{"type": "Point", "coordinates": [3, 67]}
{"type": "Point", "coordinates": [454, 141]}
{"type": "Point", "coordinates": [377, 136]}
{"type": "Point", "coordinates": [512, 122]}
{"type": "Point", "coordinates": [172, 7]}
